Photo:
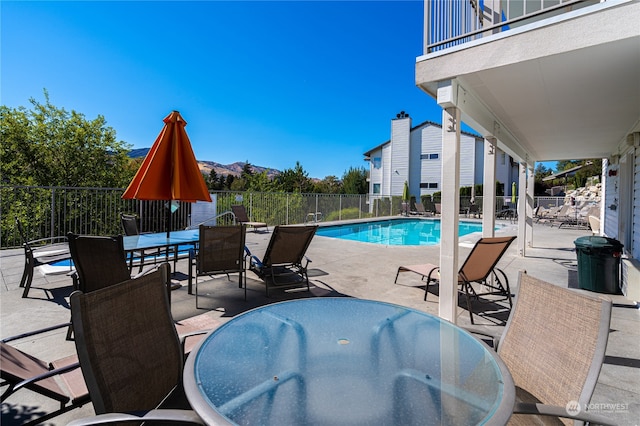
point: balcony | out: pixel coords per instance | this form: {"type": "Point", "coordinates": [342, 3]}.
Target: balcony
{"type": "Point", "coordinates": [548, 80]}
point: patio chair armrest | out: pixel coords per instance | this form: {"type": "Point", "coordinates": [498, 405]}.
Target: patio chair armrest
{"type": "Point", "coordinates": [146, 271]}
{"type": "Point", "coordinates": [36, 332]}
{"type": "Point", "coordinates": [185, 336]}
{"type": "Point", "coordinates": [555, 411]}
{"type": "Point", "coordinates": [181, 416]}
{"type": "Point", "coordinates": [307, 262]}
{"type": "Point", "coordinates": [50, 373]}
{"type": "Point", "coordinates": [51, 240]}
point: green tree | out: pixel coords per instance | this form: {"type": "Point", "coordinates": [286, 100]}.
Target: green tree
{"type": "Point", "coordinates": [260, 182]}
{"type": "Point", "coordinates": [329, 185]}
{"type": "Point", "coordinates": [213, 181]}
{"type": "Point", "coordinates": [228, 182]}
{"type": "Point", "coordinates": [237, 184]}
{"type": "Point", "coordinates": [49, 146]}
{"type": "Point", "coordinates": [294, 180]}
{"type": "Point", "coordinates": [247, 171]}
{"type": "Point", "coordinates": [539, 185]}
{"type": "Point", "coordinates": [354, 181]}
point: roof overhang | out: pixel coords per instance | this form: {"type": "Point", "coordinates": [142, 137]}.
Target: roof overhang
{"type": "Point", "coordinates": [567, 87]}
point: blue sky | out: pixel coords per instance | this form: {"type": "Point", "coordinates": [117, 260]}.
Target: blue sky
{"type": "Point", "coordinates": [267, 82]}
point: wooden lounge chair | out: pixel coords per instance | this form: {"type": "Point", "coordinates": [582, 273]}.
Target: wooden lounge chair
{"type": "Point", "coordinates": [101, 263]}
{"type": "Point", "coordinates": [242, 218]}
{"type": "Point", "coordinates": [21, 370]}
{"type": "Point", "coordinates": [39, 252]}
{"type": "Point", "coordinates": [284, 263]}
{"type": "Point", "coordinates": [129, 351]}
{"type": "Point", "coordinates": [554, 344]}
{"type": "Point", "coordinates": [220, 251]}
{"type": "Point", "coordinates": [479, 266]}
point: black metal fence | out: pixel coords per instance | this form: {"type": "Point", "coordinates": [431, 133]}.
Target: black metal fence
{"type": "Point", "coordinates": [55, 211]}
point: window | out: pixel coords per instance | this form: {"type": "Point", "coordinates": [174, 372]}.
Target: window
{"type": "Point", "coordinates": [377, 162]}
{"type": "Point", "coordinates": [376, 188]}
{"type": "Point", "coordinates": [429, 185]}
{"type": "Point", "coordinates": [430, 156]}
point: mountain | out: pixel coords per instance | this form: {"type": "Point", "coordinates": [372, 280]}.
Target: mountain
{"type": "Point", "coordinates": [234, 169]}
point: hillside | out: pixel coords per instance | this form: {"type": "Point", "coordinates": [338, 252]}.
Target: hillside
{"type": "Point", "coordinates": [234, 169]}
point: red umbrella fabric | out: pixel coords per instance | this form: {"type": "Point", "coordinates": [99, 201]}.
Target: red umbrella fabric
{"type": "Point", "coordinates": [170, 170]}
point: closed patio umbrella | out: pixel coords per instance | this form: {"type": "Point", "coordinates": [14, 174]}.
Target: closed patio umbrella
{"type": "Point", "coordinates": [405, 197]}
{"type": "Point", "coordinates": [513, 193]}
{"type": "Point", "coordinates": [170, 170]}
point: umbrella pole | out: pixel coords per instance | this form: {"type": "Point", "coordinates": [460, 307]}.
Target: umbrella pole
{"type": "Point", "coordinates": [168, 221]}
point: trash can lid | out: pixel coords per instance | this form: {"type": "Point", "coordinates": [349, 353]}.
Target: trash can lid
{"type": "Point", "coordinates": [597, 242]}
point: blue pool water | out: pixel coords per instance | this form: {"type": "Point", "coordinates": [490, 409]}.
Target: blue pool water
{"type": "Point", "coordinates": [396, 232]}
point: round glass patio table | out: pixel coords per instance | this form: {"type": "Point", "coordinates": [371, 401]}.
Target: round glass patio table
{"type": "Point", "coordinates": [344, 361]}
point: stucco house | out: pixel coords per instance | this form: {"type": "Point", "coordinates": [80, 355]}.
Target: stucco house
{"type": "Point", "coordinates": [414, 154]}
{"type": "Point", "coordinates": [542, 81]}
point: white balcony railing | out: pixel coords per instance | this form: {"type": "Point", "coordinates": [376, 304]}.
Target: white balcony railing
{"type": "Point", "coordinates": [453, 22]}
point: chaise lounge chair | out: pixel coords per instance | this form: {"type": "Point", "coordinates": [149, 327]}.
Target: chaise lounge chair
{"type": "Point", "coordinates": [420, 210]}
{"type": "Point", "coordinates": [284, 263]}
{"type": "Point", "coordinates": [242, 218]}
{"type": "Point", "coordinates": [21, 370]}
{"type": "Point", "coordinates": [479, 266]}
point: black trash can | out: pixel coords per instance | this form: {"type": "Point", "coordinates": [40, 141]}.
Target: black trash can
{"type": "Point", "coordinates": [599, 264]}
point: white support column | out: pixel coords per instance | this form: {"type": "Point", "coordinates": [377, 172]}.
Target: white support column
{"type": "Point", "coordinates": [522, 209]}
{"type": "Point", "coordinates": [530, 204]}
{"type": "Point", "coordinates": [489, 188]}
{"type": "Point", "coordinates": [450, 214]}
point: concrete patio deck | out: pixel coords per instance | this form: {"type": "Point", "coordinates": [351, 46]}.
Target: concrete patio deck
{"type": "Point", "coordinates": [339, 267]}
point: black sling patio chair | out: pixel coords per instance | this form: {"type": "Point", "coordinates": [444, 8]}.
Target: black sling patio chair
{"type": "Point", "coordinates": [284, 263]}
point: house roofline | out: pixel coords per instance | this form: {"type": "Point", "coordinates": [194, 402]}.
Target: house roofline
{"type": "Point", "coordinates": [423, 124]}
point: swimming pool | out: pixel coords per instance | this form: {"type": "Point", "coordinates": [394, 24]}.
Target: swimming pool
{"type": "Point", "coordinates": [395, 232]}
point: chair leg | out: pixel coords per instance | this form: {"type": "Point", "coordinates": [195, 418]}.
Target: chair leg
{"type": "Point", "coordinates": [142, 262]}
{"type": "Point", "coordinates": [245, 283]}
{"type": "Point", "coordinates": [197, 307]}
{"type": "Point", "coordinates": [467, 286]}
{"type": "Point", "coordinates": [505, 289]}
{"type": "Point", "coordinates": [28, 277]}
{"type": "Point", "coordinates": [429, 279]}
{"type": "Point", "coordinates": [70, 331]}
{"type": "Point", "coordinates": [190, 280]}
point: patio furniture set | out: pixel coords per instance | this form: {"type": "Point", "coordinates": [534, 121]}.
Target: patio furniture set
{"type": "Point", "coordinates": [316, 360]}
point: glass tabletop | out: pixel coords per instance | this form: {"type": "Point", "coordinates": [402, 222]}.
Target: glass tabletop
{"type": "Point", "coordinates": [345, 361]}
{"type": "Point", "coordinates": [159, 239]}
